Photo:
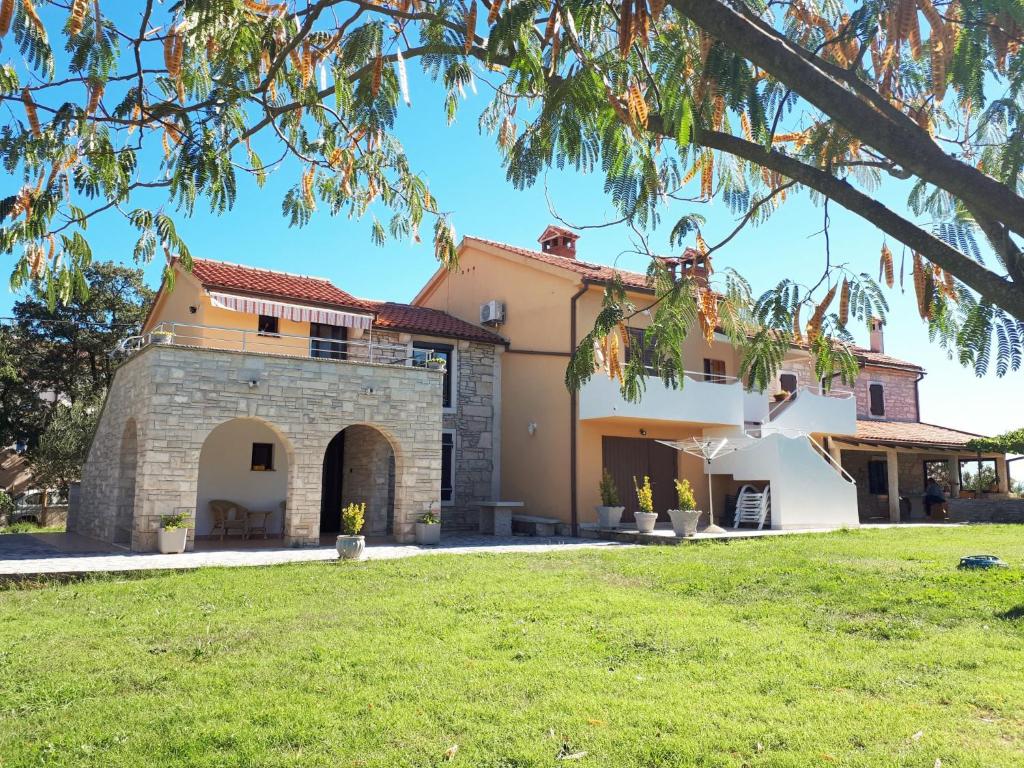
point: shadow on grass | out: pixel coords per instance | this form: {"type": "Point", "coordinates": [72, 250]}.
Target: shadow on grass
{"type": "Point", "coordinates": [1012, 614]}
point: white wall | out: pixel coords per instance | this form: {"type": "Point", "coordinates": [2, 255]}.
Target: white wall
{"type": "Point", "coordinates": [225, 472]}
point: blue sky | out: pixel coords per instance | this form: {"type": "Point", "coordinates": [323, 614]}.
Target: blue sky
{"type": "Point", "coordinates": [465, 174]}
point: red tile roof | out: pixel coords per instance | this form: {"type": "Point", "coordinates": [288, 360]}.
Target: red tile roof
{"type": "Point", "coordinates": [898, 433]}
{"type": "Point", "coordinates": [600, 273]}
{"type": "Point", "coordinates": [266, 282]}
{"type": "Point", "coordinates": [405, 317]}
{"type": "Point", "coordinates": [595, 272]}
{"type": "Point", "coordinates": [318, 290]}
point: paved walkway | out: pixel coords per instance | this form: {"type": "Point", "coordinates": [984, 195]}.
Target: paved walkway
{"type": "Point", "coordinates": [26, 555]}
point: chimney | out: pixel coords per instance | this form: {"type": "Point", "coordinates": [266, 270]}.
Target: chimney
{"type": "Point", "coordinates": [877, 337]}
{"type": "Point", "coordinates": [558, 242]}
{"type": "Point", "coordinates": [696, 266]}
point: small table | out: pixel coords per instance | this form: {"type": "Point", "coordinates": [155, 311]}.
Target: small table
{"type": "Point", "coordinates": [496, 517]}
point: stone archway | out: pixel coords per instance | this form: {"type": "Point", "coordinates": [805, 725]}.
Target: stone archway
{"type": "Point", "coordinates": [359, 466]}
{"type": "Point", "coordinates": [128, 460]}
{"type": "Point", "coordinates": [248, 461]}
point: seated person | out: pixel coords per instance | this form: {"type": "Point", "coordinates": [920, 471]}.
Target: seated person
{"type": "Point", "coordinates": [934, 497]}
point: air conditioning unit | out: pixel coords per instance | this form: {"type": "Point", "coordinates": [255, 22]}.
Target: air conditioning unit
{"type": "Point", "coordinates": [492, 313]}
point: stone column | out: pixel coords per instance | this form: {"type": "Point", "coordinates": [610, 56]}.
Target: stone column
{"type": "Point", "coordinates": [893, 472]}
{"type": "Point", "coordinates": [954, 476]}
{"type": "Point", "coordinates": [302, 511]}
{"type": "Point", "coordinates": [1003, 474]}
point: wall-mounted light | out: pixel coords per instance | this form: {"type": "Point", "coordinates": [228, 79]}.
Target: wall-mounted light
{"type": "Point", "coordinates": [253, 383]}
{"type": "Point", "coordinates": [531, 427]}
{"type": "Point", "coordinates": [643, 433]}
{"type": "Point", "coordinates": [192, 309]}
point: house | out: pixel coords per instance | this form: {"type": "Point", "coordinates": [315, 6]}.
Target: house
{"type": "Point", "coordinates": [286, 394]}
{"type": "Point", "coordinates": [814, 449]}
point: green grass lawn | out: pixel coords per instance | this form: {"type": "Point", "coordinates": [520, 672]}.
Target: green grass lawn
{"type": "Point", "coordinates": [849, 649]}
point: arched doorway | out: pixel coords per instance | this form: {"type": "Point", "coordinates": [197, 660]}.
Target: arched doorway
{"type": "Point", "coordinates": [246, 461]}
{"type": "Point", "coordinates": [128, 458]}
{"type": "Point", "coordinates": [359, 466]}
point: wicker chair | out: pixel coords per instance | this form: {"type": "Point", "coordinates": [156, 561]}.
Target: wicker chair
{"type": "Point", "coordinates": [230, 516]}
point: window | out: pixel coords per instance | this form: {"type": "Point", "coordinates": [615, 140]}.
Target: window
{"type": "Point", "coordinates": [714, 371]}
{"type": "Point", "coordinates": [788, 382]}
{"type": "Point", "coordinates": [636, 343]}
{"type": "Point", "coordinates": [979, 475]}
{"type": "Point", "coordinates": [327, 341]}
{"type": "Point", "coordinates": [447, 467]}
{"type": "Point", "coordinates": [262, 457]}
{"type": "Point", "coordinates": [876, 399]}
{"type": "Point", "coordinates": [939, 472]}
{"type": "Point", "coordinates": [878, 477]}
{"type": "Point", "coordinates": [267, 325]}
{"type": "Point", "coordinates": [422, 351]}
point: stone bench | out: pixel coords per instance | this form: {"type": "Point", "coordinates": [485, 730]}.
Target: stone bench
{"type": "Point", "coordinates": [496, 517]}
{"type": "Point", "coordinates": [535, 525]}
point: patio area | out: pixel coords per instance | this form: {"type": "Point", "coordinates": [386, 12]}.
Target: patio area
{"type": "Point", "coordinates": [68, 554]}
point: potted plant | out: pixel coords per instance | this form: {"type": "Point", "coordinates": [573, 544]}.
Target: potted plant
{"type": "Point", "coordinates": [173, 533]}
{"type": "Point", "coordinates": [781, 396]}
{"type": "Point", "coordinates": [684, 519]}
{"type": "Point", "coordinates": [436, 363]}
{"type": "Point", "coordinates": [350, 544]}
{"type": "Point", "coordinates": [609, 513]}
{"type": "Point", "coordinates": [161, 337]}
{"type": "Point", "coordinates": [428, 528]}
{"type": "Point", "coordinates": [645, 517]}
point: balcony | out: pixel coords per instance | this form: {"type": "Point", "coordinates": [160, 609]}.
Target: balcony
{"type": "Point", "coordinates": [718, 403]}
{"type": "Point", "coordinates": [808, 412]}
{"type": "Point", "coordinates": [362, 350]}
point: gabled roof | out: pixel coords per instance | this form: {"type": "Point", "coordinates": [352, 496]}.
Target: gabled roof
{"type": "Point", "coordinates": [433, 322]}
{"type": "Point", "coordinates": [597, 273]}
{"type": "Point", "coordinates": [388, 315]}
{"type": "Point", "coordinates": [909, 433]}
{"type": "Point", "coordinates": [600, 273]}
{"type": "Point", "coordinates": [267, 282]}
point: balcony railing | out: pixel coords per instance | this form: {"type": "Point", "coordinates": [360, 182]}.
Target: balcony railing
{"type": "Point", "coordinates": [698, 400]}
{"type": "Point", "coordinates": [368, 350]}
{"type": "Point", "coordinates": [809, 411]}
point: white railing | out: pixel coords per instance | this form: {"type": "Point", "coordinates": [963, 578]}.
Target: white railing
{"type": "Point", "coordinates": [776, 408]}
{"type": "Point", "coordinates": [366, 350]}
{"type": "Point", "coordinates": [717, 400]}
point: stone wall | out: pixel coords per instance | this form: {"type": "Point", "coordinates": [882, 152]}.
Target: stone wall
{"type": "Point", "coordinates": [177, 396]}
{"type": "Point", "coordinates": [473, 421]}
{"type": "Point", "coordinates": [366, 453]}
{"type": "Point", "coordinates": [987, 510]}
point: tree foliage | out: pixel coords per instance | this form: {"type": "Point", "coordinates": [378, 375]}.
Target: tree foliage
{"type": "Point", "coordinates": [64, 444]}
{"type": "Point", "coordinates": [63, 355]}
{"type": "Point", "coordinates": [686, 101]}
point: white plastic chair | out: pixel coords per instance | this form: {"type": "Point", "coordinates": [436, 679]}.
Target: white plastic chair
{"type": "Point", "coordinates": [753, 506]}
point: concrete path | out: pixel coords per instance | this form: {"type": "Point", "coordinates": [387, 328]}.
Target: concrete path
{"type": "Point", "coordinates": [26, 555]}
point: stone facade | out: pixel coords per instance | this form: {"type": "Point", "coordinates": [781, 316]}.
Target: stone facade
{"type": "Point", "coordinates": [168, 399]}
{"type": "Point", "coordinates": [472, 419]}
{"type": "Point", "coordinates": [369, 472]}
{"type": "Point", "coordinates": [899, 388]}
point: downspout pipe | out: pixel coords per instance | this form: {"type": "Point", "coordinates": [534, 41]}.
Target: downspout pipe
{"type": "Point", "coordinates": [917, 394]}
{"type": "Point", "coordinates": [573, 407]}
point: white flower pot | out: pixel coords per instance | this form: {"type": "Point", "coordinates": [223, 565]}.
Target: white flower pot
{"type": "Point", "coordinates": [684, 521]}
{"type": "Point", "coordinates": [609, 517]}
{"type": "Point", "coordinates": [171, 542]}
{"type": "Point", "coordinates": [645, 521]}
{"type": "Point", "coordinates": [428, 533]}
{"type": "Point", "coordinates": [350, 547]}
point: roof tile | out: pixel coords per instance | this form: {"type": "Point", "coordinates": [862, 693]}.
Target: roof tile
{"type": "Point", "coordinates": [389, 315]}
{"type": "Point", "coordinates": [911, 433]}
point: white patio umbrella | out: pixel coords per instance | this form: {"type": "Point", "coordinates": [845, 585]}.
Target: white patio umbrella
{"type": "Point", "coordinates": [710, 448]}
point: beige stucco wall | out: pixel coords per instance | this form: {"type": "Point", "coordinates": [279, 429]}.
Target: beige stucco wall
{"type": "Point", "coordinates": [225, 472]}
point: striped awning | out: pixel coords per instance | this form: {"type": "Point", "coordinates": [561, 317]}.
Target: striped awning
{"type": "Point", "coordinates": [299, 312]}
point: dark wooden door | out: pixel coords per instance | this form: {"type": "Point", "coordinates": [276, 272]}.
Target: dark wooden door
{"type": "Point", "coordinates": [629, 457]}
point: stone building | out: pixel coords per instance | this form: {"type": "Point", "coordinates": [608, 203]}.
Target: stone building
{"type": "Point", "coordinates": [284, 394]}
